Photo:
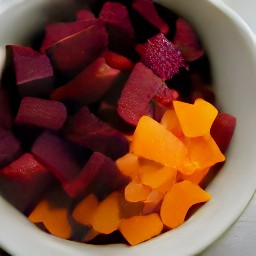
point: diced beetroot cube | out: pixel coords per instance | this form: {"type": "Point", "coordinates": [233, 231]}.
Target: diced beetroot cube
{"type": "Point", "coordinates": [139, 90]}
{"type": "Point", "coordinates": [117, 61]}
{"type": "Point", "coordinates": [223, 129]}
{"type": "Point", "coordinates": [58, 31]}
{"type": "Point", "coordinates": [34, 73]}
{"type": "Point", "coordinates": [147, 10]}
{"type": "Point", "coordinates": [6, 117]}
{"type": "Point", "coordinates": [100, 172]}
{"type": "Point", "coordinates": [162, 56]}
{"type": "Point", "coordinates": [187, 41]}
{"type": "Point", "coordinates": [89, 85]}
{"type": "Point", "coordinates": [9, 147]}
{"type": "Point", "coordinates": [58, 155]}
{"type": "Point", "coordinates": [166, 96]}
{"type": "Point", "coordinates": [75, 52]}
{"type": "Point", "coordinates": [23, 181]}
{"type": "Point", "coordinates": [84, 15]}
{"type": "Point", "coordinates": [89, 131]}
{"type": "Point", "coordinates": [42, 113]}
{"type": "Point", "coordinates": [116, 15]}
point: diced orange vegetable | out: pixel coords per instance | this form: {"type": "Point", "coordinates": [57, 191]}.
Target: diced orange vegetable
{"type": "Point", "coordinates": [152, 141]}
{"type": "Point", "coordinates": [196, 177]}
{"type": "Point", "coordinates": [178, 200]}
{"type": "Point", "coordinates": [195, 119]}
{"type": "Point", "coordinates": [136, 191]}
{"type": "Point", "coordinates": [106, 217]}
{"type": "Point", "coordinates": [152, 203]}
{"type": "Point", "coordinates": [171, 123]}
{"type": "Point", "coordinates": [138, 229]}
{"type": "Point", "coordinates": [91, 234]}
{"type": "Point", "coordinates": [128, 165]}
{"type": "Point", "coordinates": [85, 209]}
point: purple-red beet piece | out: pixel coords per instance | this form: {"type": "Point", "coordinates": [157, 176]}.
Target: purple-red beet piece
{"type": "Point", "coordinates": [116, 16]}
{"type": "Point", "coordinates": [223, 129]}
{"type": "Point", "coordinates": [9, 147]}
{"type": "Point", "coordinates": [89, 131]}
{"type": "Point", "coordinates": [84, 15]}
{"type": "Point", "coordinates": [99, 171]}
{"type": "Point", "coordinates": [24, 180]}
{"type": "Point", "coordinates": [89, 85]}
{"type": "Point", "coordinates": [166, 96]}
{"type": "Point", "coordinates": [75, 52]}
{"type": "Point", "coordinates": [162, 56]}
{"type": "Point", "coordinates": [58, 155]}
{"type": "Point", "coordinates": [41, 113]}
{"type": "Point", "coordinates": [6, 117]}
{"type": "Point", "coordinates": [138, 91]}
{"type": "Point", "coordinates": [187, 41]}
{"type": "Point", "coordinates": [147, 10]}
{"type": "Point", "coordinates": [33, 71]}
{"type": "Point", "coordinates": [58, 31]}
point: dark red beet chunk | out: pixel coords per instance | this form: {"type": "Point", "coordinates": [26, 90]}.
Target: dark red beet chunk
{"type": "Point", "coordinates": [187, 41]}
{"type": "Point", "coordinates": [223, 129]}
{"type": "Point", "coordinates": [162, 56]}
{"type": "Point", "coordinates": [41, 113]}
{"type": "Point", "coordinates": [34, 73]}
{"type": "Point", "coordinates": [89, 85]}
{"type": "Point", "coordinates": [9, 147]}
{"type": "Point", "coordinates": [89, 131]}
{"type": "Point", "coordinates": [139, 90]}
{"type": "Point", "coordinates": [166, 96]}
{"type": "Point", "coordinates": [147, 10]}
{"type": "Point", "coordinates": [75, 52]}
{"type": "Point", "coordinates": [58, 31]}
{"type": "Point", "coordinates": [84, 15]}
{"type": "Point", "coordinates": [24, 180]}
{"type": "Point", "coordinates": [116, 15]}
{"type": "Point", "coordinates": [6, 117]}
{"type": "Point", "coordinates": [100, 170]}
{"type": "Point", "coordinates": [58, 155]}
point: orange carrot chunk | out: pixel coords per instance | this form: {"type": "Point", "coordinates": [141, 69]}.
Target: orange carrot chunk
{"type": "Point", "coordinates": [136, 191]}
{"type": "Point", "coordinates": [178, 200]}
{"type": "Point", "coordinates": [152, 141]}
{"type": "Point", "coordinates": [138, 229]}
{"type": "Point", "coordinates": [85, 209]}
{"type": "Point", "coordinates": [106, 217]}
{"type": "Point", "coordinates": [196, 177]}
{"type": "Point", "coordinates": [195, 119]}
{"type": "Point", "coordinates": [91, 234]}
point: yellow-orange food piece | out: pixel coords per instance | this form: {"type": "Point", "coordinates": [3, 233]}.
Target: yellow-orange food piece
{"type": "Point", "coordinates": [85, 209]}
{"type": "Point", "coordinates": [136, 191]}
{"type": "Point", "coordinates": [106, 217]}
{"type": "Point", "coordinates": [138, 229]}
{"type": "Point", "coordinates": [128, 165]}
{"type": "Point", "coordinates": [196, 177]}
{"type": "Point", "coordinates": [152, 141]}
{"type": "Point", "coordinates": [152, 203]}
{"type": "Point", "coordinates": [178, 200]}
{"type": "Point", "coordinates": [91, 234]}
{"type": "Point", "coordinates": [195, 119]}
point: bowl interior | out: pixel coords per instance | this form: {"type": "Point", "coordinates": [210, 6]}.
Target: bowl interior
{"type": "Point", "coordinates": [231, 48]}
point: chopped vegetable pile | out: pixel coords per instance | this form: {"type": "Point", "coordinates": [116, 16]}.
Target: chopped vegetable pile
{"type": "Point", "coordinates": [110, 129]}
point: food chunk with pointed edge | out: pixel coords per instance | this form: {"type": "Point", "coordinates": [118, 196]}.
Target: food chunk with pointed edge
{"type": "Point", "coordinates": [84, 14]}
{"type": "Point", "coordinates": [36, 112]}
{"type": "Point", "coordinates": [89, 131]}
{"type": "Point", "coordinates": [33, 71]}
{"type": "Point", "coordinates": [162, 56]}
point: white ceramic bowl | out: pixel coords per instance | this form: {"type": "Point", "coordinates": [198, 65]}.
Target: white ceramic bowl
{"type": "Point", "coordinates": [231, 48]}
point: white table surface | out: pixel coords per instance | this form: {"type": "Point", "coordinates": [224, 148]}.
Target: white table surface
{"type": "Point", "coordinates": [240, 239]}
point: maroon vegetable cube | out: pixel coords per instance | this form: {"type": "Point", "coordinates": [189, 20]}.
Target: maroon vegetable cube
{"type": "Point", "coordinates": [140, 88]}
{"type": "Point", "coordinates": [89, 85]}
{"type": "Point", "coordinates": [33, 71]}
{"type": "Point", "coordinates": [6, 117]}
{"type": "Point", "coordinates": [58, 155]}
{"type": "Point", "coordinates": [84, 15]}
{"type": "Point", "coordinates": [36, 112]}
{"type": "Point", "coordinates": [24, 180]}
{"type": "Point", "coordinates": [9, 147]}
{"type": "Point", "coordinates": [75, 52]}
{"type": "Point", "coordinates": [162, 56]}
{"type": "Point", "coordinates": [187, 41]}
{"type": "Point", "coordinates": [89, 131]}
{"type": "Point", "coordinates": [147, 10]}
{"type": "Point", "coordinates": [222, 130]}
